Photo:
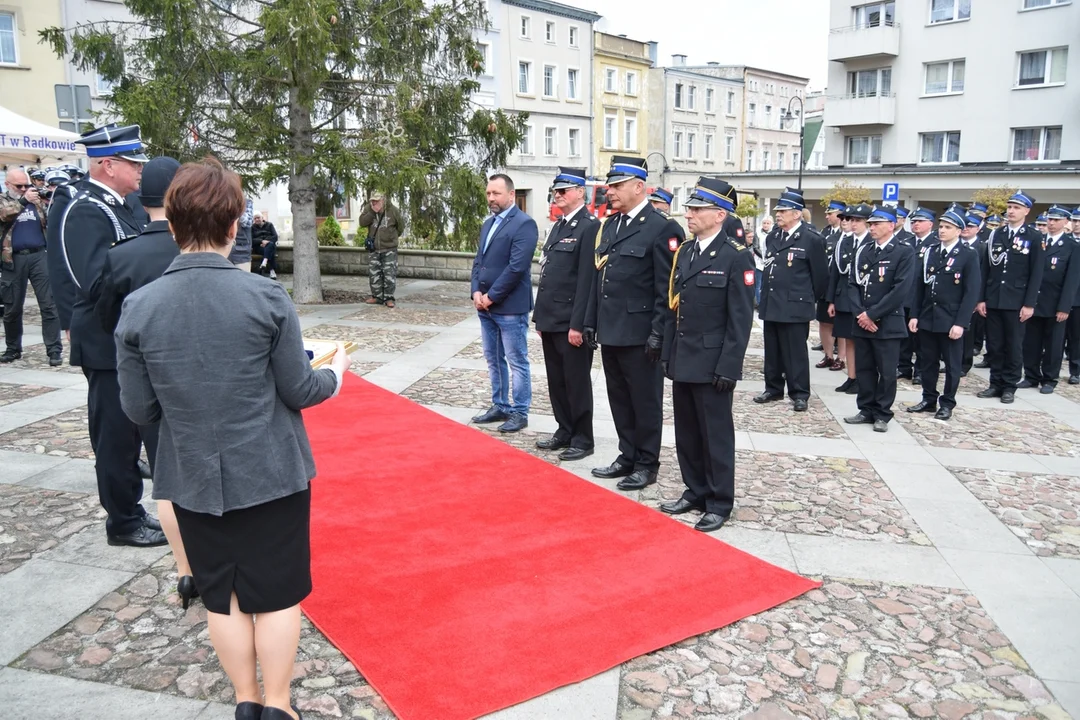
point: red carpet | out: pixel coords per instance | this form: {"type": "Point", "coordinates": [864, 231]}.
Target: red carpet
{"type": "Point", "coordinates": [462, 576]}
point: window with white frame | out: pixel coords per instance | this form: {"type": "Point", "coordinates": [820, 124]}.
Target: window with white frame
{"type": "Point", "coordinates": [949, 10]}
{"type": "Point", "coordinates": [8, 50]}
{"type": "Point", "coordinates": [549, 31]}
{"type": "Point", "coordinates": [573, 36]}
{"type": "Point", "coordinates": [709, 95]}
{"type": "Point", "coordinates": [1042, 67]}
{"type": "Point", "coordinates": [676, 199]}
{"type": "Point", "coordinates": [524, 77]}
{"type": "Point", "coordinates": [631, 83]}
{"type": "Point", "coordinates": [678, 144]}
{"type": "Point", "coordinates": [870, 83]}
{"type": "Point", "coordinates": [864, 150]}
{"type": "Point", "coordinates": [730, 108]}
{"type": "Point", "coordinates": [611, 122]}
{"type": "Point", "coordinates": [874, 14]}
{"type": "Point", "coordinates": [484, 49]}
{"type": "Point", "coordinates": [678, 95]}
{"type": "Point", "coordinates": [102, 86]}
{"type": "Point", "coordinates": [729, 147]}
{"type": "Point", "coordinates": [795, 155]}
{"type": "Point", "coordinates": [551, 141]}
{"type": "Point", "coordinates": [691, 97]}
{"type": "Point", "coordinates": [630, 131]}
{"type": "Point", "coordinates": [750, 159]}
{"type": "Point", "coordinates": [780, 159]}
{"type": "Point", "coordinates": [611, 80]}
{"type": "Point", "coordinates": [550, 84]}
{"type": "Point", "coordinates": [573, 144]}
{"type": "Point", "coordinates": [766, 158]}
{"type": "Point", "coordinates": [526, 26]}
{"type": "Point", "coordinates": [572, 84]}
{"type": "Point", "coordinates": [709, 146]}
{"type": "Point", "coordinates": [940, 147]}
{"type": "Point", "coordinates": [768, 116]}
{"type": "Point", "coordinates": [526, 146]}
{"type": "Point", "coordinates": [691, 145]}
{"type": "Point", "coordinates": [944, 77]}
{"type": "Point", "coordinates": [1041, 144]}
{"type": "Point", "coordinates": [751, 114]}
{"type": "Point", "coordinates": [819, 158]}
{"type": "Point", "coordinates": [1034, 4]}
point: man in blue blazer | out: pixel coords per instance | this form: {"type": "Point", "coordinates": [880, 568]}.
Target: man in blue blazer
{"type": "Point", "coordinates": [502, 294]}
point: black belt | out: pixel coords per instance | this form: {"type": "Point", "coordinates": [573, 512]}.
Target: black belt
{"type": "Point", "coordinates": [29, 251]}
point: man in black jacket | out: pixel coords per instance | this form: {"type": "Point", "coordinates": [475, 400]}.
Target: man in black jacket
{"type": "Point", "coordinates": [1072, 325]}
{"type": "Point", "coordinates": [920, 239]}
{"type": "Point", "coordinates": [947, 286]}
{"type": "Point", "coordinates": [264, 241]}
{"type": "Point", "coordinates": [567, 274]}
{"type": "Point", "coordinates": [837, 294]}
{"type": "Point", "coordinates": [969, 236]}
{"type": "Point", "coordinates": [830, 237]}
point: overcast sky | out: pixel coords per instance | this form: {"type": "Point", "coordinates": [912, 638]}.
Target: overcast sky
{"type": "Point", "coordinates": [786, 35]}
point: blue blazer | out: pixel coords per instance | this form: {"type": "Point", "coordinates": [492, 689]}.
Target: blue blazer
{"type": "Point", "coordinates": [504, 271]}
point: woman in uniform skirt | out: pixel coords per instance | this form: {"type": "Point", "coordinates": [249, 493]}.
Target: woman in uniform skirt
{"type": "Point", "coordinates": [233, 455]}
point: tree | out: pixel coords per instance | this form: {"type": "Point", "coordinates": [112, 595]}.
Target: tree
{"type": "Point", "coordinates": [994, 198]}
{"type": "Point", "coordinates": [748, 207]}
{"type": "Point", "coordinates": [328, 96]}
{"type": "Point", "coordinates": [846, 192]}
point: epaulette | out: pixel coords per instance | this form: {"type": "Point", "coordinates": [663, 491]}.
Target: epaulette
{"type": "Point", "coordinates": [664, 214]}
{"type": "Point", "coordinates": [123, 240]}
{"type": "Point", "coordinates": [737, 245]}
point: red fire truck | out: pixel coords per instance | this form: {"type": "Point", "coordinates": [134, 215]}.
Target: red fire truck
{"type": "Point", "coordinates": [595, 200]}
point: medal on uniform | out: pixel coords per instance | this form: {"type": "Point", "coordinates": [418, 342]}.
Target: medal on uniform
{"type": "Point", "coordinates": [880, 274]}
{"type": "Point", "coordinates": [948, 264]}
{"type": "Point", "coordinates": [957, 281]}
{"type": "Point", "coordinates": [1053, 263]}
{"type": "Point", "coordinates": [789, 257]}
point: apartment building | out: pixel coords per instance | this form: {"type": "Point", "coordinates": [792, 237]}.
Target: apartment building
{"type": "Point", "coordinates": [29, 71]}
{"type": "Point", "coordinates": [620, 98]}
{"type": "Point", "coordinates": [695, 127]}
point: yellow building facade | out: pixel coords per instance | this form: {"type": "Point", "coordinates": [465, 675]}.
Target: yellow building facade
{"type": "Point", "coordinates": [620, 98]}
{"type": "Point", "coordinates": [29, 70]}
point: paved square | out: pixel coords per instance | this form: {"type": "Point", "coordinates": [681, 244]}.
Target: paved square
{"type": "Point", "coordinates": [65, 434]}
{"type": "Point", "coordinates": [1001, 430]}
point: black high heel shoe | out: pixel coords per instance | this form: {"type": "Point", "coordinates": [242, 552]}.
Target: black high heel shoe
{"type": "Point", "coordinates": [273, 713]}
{"type": "Point", "coordinates": [185, 586]}
{"type": "Point", "coordinates": [249, 711]}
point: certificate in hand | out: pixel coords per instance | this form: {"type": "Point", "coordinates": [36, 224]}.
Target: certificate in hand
{"type": "Point", "coordinates": [321, 352]}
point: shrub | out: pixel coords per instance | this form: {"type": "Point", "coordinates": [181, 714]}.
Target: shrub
{"type": "Point", "coordinates": [329, 233]}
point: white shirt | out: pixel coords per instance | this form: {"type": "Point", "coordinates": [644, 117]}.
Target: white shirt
{"type": "Point", "coordinates": [634, 213]}
{"type": "Point", "coordinates": [703, 243]}
{"type": "Point", "coordinates": [118, 196]}
{"type": "Point", "coordinates": [1051, 241]}
{"type": "Point", "coordinates": [881, 246]}
{"type": "Point", "coordinates": [920, 240]}
{"type": "Point", "coordinates": [792, 231]}
{"type": "Point", "coordinates": [949, 248]}
{"type": "Point", "coordinates": [570, 215]}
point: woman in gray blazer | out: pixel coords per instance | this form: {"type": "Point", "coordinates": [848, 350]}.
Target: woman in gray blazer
{"type": "Point", "coordinates": [233, 456]}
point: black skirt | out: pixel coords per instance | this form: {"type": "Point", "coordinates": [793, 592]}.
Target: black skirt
{"type": "Point", "coordinates": [823, 312]}
{"type": "Point", "coordinates": [262, 553]}
{"type": "Point", "coordinates": [842, 325]}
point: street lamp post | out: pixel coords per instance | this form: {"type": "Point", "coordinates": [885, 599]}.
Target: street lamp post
{"type": "Point", "coordinates": [664, 167]}
{"type": "Point", "coordinates": [788, 117]}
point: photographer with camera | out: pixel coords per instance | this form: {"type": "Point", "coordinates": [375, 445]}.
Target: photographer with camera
{"type": "Point", "coordinates": [22, 260]}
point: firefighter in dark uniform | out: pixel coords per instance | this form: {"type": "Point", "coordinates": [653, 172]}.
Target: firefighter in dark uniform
{"type": "Point", "coordinates": [795, 276]}
{"type": "Point", "coordinates": [830, 237]}
{"type": "Point", "coordinates": [626, 317]}
{"type": "Point", "coordinates": [882, 273]}
{"type": "Point", "coordinates": [947, 287]}
{"type": "Point", "coordinates": [660, 199]}
{"type": "Point", "coordinates": [854, 217]}
{"type": "Point", "coordinates": [902, 234]}
{"type": "Point", "coordinates": [1072, 325]}
{"type": "Point", "coordinates": [96, 219]}
{"type": "Point", "coordinates": [969, 236]}
{"type": "Point", "coordinates": [567, 275]}
{"type": "Point", "coordinates": [923, 237]}
{"type": "Point", "coordinates": [711, 296]}
{"type": "Point", "coordinates": [1040, 223]}
{"type": "Point", "coordinates": [1044, 336]}
{"type": "Point", "coordinates": [977, 335]}
{"type": "Point", "coordinates": [1014, 274]}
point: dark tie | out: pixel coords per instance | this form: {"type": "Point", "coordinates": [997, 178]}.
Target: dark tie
{"type": "Point", "coordinates": [624, 220]}
{"type": "Point", "coordinates": [694, 252]}
{"type": "Point", "coordinates": [944, 253]}
{"type": "Point", "coordinates": [783, 237]}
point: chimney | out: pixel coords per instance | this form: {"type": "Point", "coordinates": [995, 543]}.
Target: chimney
{"type": "Point", "coordinates": [622, 36]}
{"type": "Point", "coordinates": [678, 60]}
{"type": "Point", "coordinates": [713, 63]}
{"type": "Point", "coordinates": [653, 45]}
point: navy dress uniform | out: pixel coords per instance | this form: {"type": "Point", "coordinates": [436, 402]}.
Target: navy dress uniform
{"type": "Point", "coordinates": [567, 276]}
{"type": "Point", "coordinates": [711, 297]}
{"type": "Point", "coordinates": [973, 337]}
{"type": "Point", "coordinates": [626, 315]}
{"type": "Point", "coordinates": [1072, 325]}
{"type": "Point", "coordinates": [909, 363]}
{"type": "Point", "coordinates": [829, 238]}
{"type": "Point", "coordinates": [881, 285]}
{"type": "Point", "coordinates": [661, 197]}
{"type": "Point", "coordinates": [902, 234]}
{"type": "Point", "coordinates": [96, 219]}
{"type": "Point", "coordinates": [947, 288]}
{"type": "Point", "coordinates": [1044, 336]}
{"type": "Point", "coordinates": [795, 276]}
{"type": "Point", "coordinates": [1013, 276]}
{"type": "Point", "coordinates": [837, 292]}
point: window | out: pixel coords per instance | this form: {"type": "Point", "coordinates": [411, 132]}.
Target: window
{"type": "Point", "coordinates": [864, 150]}
{"type": "Point", "coordinates": [729, 148]}
{"type": "Point", "coordinates": [549, 81]}
{"type": "Point", "coordinates": [610, 123]}
{"type": "Point", "coordinates": [1033, 4]}
{"type": "Point", "coordinates": [526, 26]}
{"type": "Point", "coordinates": [526, 147]}
{"type": "Point", "coordinates": [572, 84]}
{"type": "Point", "coordinates": [8, 55]}
{"type": "Point", "coordinates": [574, 142]}
{"type": "Point", "coordinates": [691, 143]}
{"type": "Point", "coordinates": [549, 31]}
{"type": "Point", "coordinates": [676, 199]}
{"type": "Point", "coordinates": [678, 95]}
{"type": "Point", "coordinates": [709, 93]}
{"type": "Point", "coordinates": [483, 49]}
{"type": "Point", "coordinates": [768, 88]}
{"type": "Point", "coordinates": [708, 146]}
{"type": "Point", "coordinates": [768, 115]}
{"type": "Point", "coordinates": [940, 147]}
{"type": "Point", "coordinates": [573, 35]}
{"type": "Point", "coordinates": [819, 158]}
{"type": "Point", "coordinates": [749, 159]}
{"type": "Point", "coordinates": [611, 80]}
{"type": "Point", "coordinates": [874, 15]}
{"type": "Point", "coordinates": [1042, 67]}
{"type": "Point", "coordinates": [631, 83]}
{"type": "Point", "coordinates": [678, 143]}
{"type": "Point", "coordinates": [1036, 144]}
{"type": "Point", "coordinates": [766, 156]}
{"type": "Point", "coordinates": [730, 109]}
{"type": "Point", "coordinates": [103, 86]}
{"type": "Point", "coordinates": [870, 83]}
{"type": "Point", "coordinates": [750, 114]}
{"type": "Point", "coordinates": [780, 161]}
{"type": "Point", "coordinates": [524, 77]}
{"type": "Point", "coordinates": [551, 141]}
{"type": "Point", "coordinates": [795, 155]}
{"type": "Point", "coordinates": [630, 131]}
{"type": "Point", "coordinates": [949, 10]}
{"type": "Point", "coordinates": [944, 77]}
{"type": "Point", "coordinates": [691, 98]}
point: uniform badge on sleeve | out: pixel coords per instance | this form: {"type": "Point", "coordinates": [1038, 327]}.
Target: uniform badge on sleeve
{"type": "Point", "coordinates": [673, 244]}
{"type": "Point", "coordinates": [748, 277]}
{"type": "Point", "coordinates": [738, 232]}
{"type": "Point", "coordinates": [110, 199]}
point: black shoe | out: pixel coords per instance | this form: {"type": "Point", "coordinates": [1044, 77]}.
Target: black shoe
{"type": "Point", "coordinates": [916, 379]}
{"type": "Point", "coordinates": [977, 350]}
{"type": "Point", "coordinates": [799, 405]}
{"type": "Point", "coordinates": [1046, 389]}
{"type": "Point", "coordinates": [572, 454]}
{"type": "Point", "coordinates": [767, 396]}
{"type": "Point", "coordinates": [963, 373]}
{"type": "Point", "coordinates": [922, 406]}
{"type": "Point", "coordinates": [144, 470]}
{"type": "Point", "coordinates": [614, 470]}
{"type": "Point", "coordinates": [900, 375]}
{"type": "Point", "coordinates": [1025, 384]}
{"type": "Point", "coordinates": [990, 392]}
{"type": "Point", "coordinates": [846, 385]}
{"type": "Point", "coordinates": [1074, 379]}
{"type": "Point", "coordinates": [1008, 397]}
{"type": "Point", "coordinates": [272, 713]}
{"type": "Point", "coordinates": [711, 522]}
{"type": "Point", "coordinates": [249, 711]}
{"type": "Point", "coordinates": [859, 419]}
{"type": "Point", "coordinates": [10, 356]}
{"type": "Point", "coordinates": [492, 414]}
{"type": "Point", "coordinates": [142, 537]}
{"type": "Point", "coordinates": [552, 443]}
{"type": "Point", "coordinates": [637, 480]}
{"type": "Point", "coordinates": [983, 364]}
{"type": "Point", "coordinates": [943, 414]}
{"type": "Point", "coordinates": [818, 348]}
{"type": "Point", "coordinates": [151, 522]}
{"type": "Point", "coordinates": [185, 588]}
{"type": "Point", "coordinates": [679, 507]}
{"type": "Point", "coordinates": [55, 360]}
{"type": "Point", "coordinates": [514, 423]}
{"type": "Point", "coordinates": [881, 426]}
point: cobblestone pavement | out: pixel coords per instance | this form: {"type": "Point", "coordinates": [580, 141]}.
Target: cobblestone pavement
{"type": "Point", "coordinates": [34, 357]}
{"type": "Point", "coordinates": [774, 417]}
{"type": "Point", "coordinates": [63, 435]}
{"type": "Point", "coordinates": [371, 339]}
{"type": "Point", "coordinates": [446, 295]}
{"type": "Point", "coordinates": [470, 389]}
{"type": "Point", "coordinates": [408, 316]}
{"type": "Point", "coordinates": [1042, 509]}
{"type": "Point", "coordinates": [992, 429]}
{"type": "Point", "coordinates": [33, 521]}
{"type": "Point", "coordinates": [12, 393]}
{"type": "Point", "coordinates": [363, 368]}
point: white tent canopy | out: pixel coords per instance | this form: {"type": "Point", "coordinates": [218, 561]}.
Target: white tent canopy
{"type": "Point", "coordinates": [25, 141]}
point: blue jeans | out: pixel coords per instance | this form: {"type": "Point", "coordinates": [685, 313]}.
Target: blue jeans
{"type": "Point", "coordinates": [505, 340]}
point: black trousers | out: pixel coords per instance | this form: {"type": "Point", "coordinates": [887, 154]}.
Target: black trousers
{"type": "Point", "coordinates": [705, 445]}
{"type": "Point", "coordinates": [977, 331]}
{"type": "Point", "coordinates": [1044, 349]}
{"type": "Point", "coordinates": [269, 253]}
{"type": "Point", "coordinates": [909, 363]}
{"type": "Point", "coordinates": [1004, 347]}
{"type": "Point", "coordinates": [116, 444]}
{"type": "Point", "coordinates": [569, 377]}
{"type": "Point", "coordinates": [29, 268]}
{"type": "Point", "coordinates": [968, 341]}
{"type": "Point", "coordinates": [786, 356]}
{"type": "Point", "coordinates": [875, 372]}
{"type": "Point", "coordinates": [635, 389]}
{"type": "Point", "coordinates": [933, 348]}
{"type": "Point", "coordinates": [1072, 337]}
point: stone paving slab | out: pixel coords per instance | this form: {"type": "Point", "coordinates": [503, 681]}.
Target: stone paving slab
{"type": "Point", "coordinates": [1036, 433]}
{"type": "Point", "coordinates": [777, 418]}
{"type": "Point", "coordinates": [35, 357]}
{"type": "Point", "coordinates": [445, 294]}
{"type": "Point", "coordinates": [33, 521]}
{"type": "Point", "coordinates": [371, 339]}
{"type": "Point", "coordinates": [64, 435]}
{"type": "Point", "coordinates": [408, 316]}
{"type": "Point", "coordinates": [471, 389]}
{"type": "Point", "coordinates": [12, 393]}
{"type": "Point", "coordinates": [363, 368]}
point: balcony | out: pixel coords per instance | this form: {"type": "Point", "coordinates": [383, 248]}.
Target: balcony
{"type": "Point", "coordinates": [861, 109]}
{"type": "Point", "coordinates": [864, 41]}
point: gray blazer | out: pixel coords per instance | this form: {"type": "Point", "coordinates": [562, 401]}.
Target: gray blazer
{"type": "Point", "coordinates": [216, 355]}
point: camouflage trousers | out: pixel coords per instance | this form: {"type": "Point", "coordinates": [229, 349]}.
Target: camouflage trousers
{"type": "Point", "coordinates": [382, 274]}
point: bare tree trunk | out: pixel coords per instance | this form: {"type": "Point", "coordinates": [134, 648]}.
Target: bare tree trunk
{"type": "Point", "coordinates": [307, 279]}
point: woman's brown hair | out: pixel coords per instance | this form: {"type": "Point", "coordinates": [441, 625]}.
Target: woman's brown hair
{"type": "Point", "coordinates": [202, 203]}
